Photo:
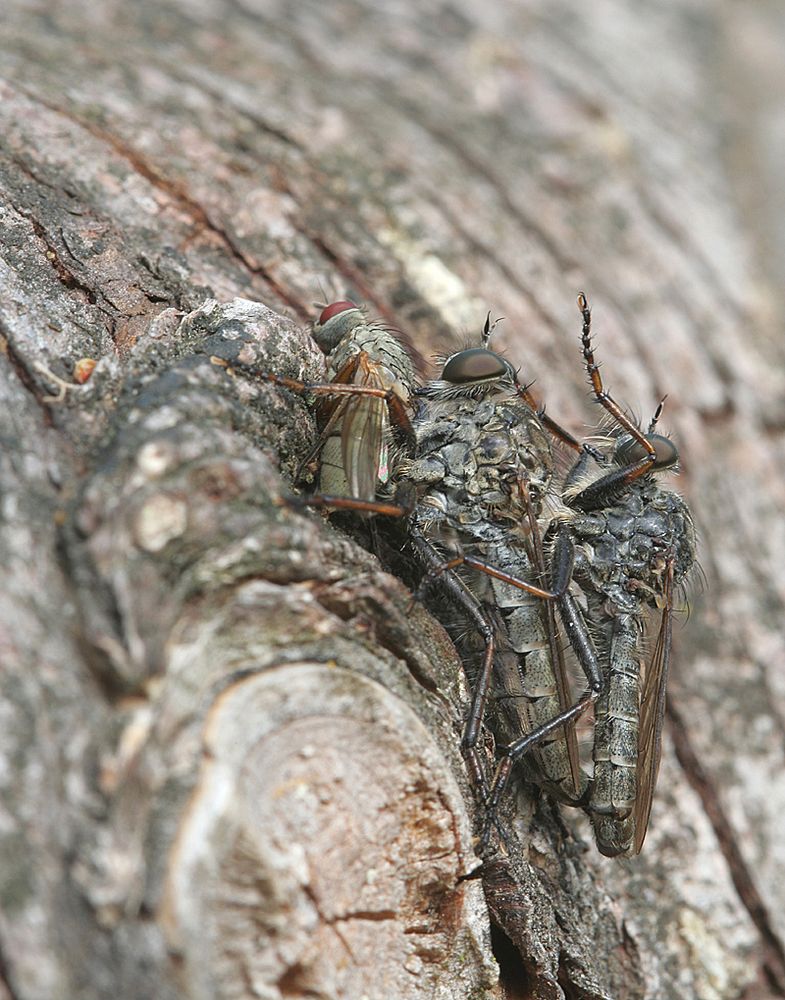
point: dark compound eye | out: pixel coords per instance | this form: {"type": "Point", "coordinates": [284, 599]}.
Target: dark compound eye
{"type": "Point", "coordinates": [473, 365]}
{"type": "Point", "coordinates": [629, 451]}
{"type": "Point", "coordinates": [334, 308]}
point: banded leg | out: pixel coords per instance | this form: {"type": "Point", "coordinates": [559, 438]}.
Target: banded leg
{"type": "Point", "coordinates": [636, 455]}
{"type": "Point", "coordinates": [462, 596]}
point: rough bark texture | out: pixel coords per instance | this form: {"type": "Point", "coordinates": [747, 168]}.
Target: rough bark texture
{"type": "Point", "coordinates": [229, 747]}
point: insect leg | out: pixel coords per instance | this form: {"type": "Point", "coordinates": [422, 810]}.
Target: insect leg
{"type": "Point", "coordinates": [332, 414]}
{"type": "Point", "coordinates": [561, 570]}
{"type": "Point", "coordinates": [346, 503]}
{"type": "Point", "coordinates": [556, 429]}
{"type": "Point", "coordinates": [465, 599]}
{"type": "Point", "coordinates": [398, 415]}
{"type": "Point", "coordinates": [444, 566]}
{"type": "Point", "coordinates": [596, 495]}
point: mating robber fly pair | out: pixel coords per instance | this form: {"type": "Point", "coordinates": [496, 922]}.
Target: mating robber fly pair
{"type": "Point", "coordinates": [467, 460]}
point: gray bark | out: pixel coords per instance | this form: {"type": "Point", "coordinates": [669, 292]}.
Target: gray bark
{"type": "Point", "coordinates": [230, 762]}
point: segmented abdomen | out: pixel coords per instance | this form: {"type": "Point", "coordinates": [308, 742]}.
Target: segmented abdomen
{"type": "Point", "coordinates": [616, 720]}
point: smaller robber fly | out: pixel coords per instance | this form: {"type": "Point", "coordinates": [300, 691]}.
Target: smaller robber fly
{"type": "Point", "coordinates": [634, 546]}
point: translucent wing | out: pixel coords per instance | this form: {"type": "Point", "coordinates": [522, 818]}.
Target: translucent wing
{"type": "Point", "coordinates": [556, 651]}
{"type": "Point", "coordinates": [332, 412]}
{"type": "Point", "coordinates": [361, 422]}
{"type": "Point", "coordinates": [364, 434]}
{"type": "Point", "coordinates": [652, 712]}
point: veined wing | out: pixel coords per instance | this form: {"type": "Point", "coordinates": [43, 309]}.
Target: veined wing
{"type": "Point", "coordinates": [361, 423]}
{"type": "Point", "coordinates": [652, 713]}
{"type": "Point", "coordinates": [557, 655]}
{"type": "Point", "coordinates": [364, 434]}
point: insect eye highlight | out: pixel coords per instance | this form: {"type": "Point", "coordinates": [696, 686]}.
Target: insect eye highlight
{"type": "Point", "coordinates": [629, 451]}
{"type": "Point", "coordinates": [473, 365]}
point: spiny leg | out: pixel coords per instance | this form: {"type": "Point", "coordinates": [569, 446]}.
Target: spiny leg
{"type": "Point", "coordinates": [639, 454]}
{"type": "Point", "coordinates": [563, 572]}
{"type": "Point", "coordinates": [603, 397]}
{"type": "Point", "coordinates": [346, 503]}
{"type": "Point", "coordinates": [524, 391]}
{"type": "Point", "coordinates": [607, 401]}
{"type": "Point", "coordinates": [461, 595]}
{"type": "Point", "coordinates": [482, 566]}
{"type": "Point", "coordinates": [399, 418]}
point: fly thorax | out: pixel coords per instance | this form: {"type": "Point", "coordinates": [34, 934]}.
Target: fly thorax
{"type": "Point", "coordinates": [337, 324]}
{"type": "Point", "coordinates": [493, 448]}
{"type": "Point", "coordinates": [682, 535]}
{"type": "Point", "coordinates": [390, 362]}
{"type": "Point", "coordinates": [460, 460]}
{"type": "Point", "coordinates": [588, 526]}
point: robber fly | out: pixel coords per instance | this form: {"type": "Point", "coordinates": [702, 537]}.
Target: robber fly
{"type": "Point", "coordinates": [634, 545]}
{"type": "Point", "coordinates": [481, 469]}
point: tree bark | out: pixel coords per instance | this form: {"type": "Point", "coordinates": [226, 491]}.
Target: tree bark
{"type": "Point", "coordinates": [230, 744]}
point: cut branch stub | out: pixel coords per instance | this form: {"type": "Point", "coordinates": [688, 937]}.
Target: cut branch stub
{"type": "Point", "coordinates": [322, 839]}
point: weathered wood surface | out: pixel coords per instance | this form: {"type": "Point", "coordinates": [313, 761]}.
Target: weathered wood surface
{"type": "Point", "coordinates": [229, 750]}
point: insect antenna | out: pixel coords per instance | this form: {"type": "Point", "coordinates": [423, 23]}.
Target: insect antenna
{"type": "Point", "coordinates": [489, 327]}
{"type": "Point", "coordinates": [657, 414]}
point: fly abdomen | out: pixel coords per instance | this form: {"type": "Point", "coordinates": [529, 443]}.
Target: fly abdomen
{"type": "Point", "coordinates": [537, 699]}
{"type": "Point", "coordinates": [614, 788]}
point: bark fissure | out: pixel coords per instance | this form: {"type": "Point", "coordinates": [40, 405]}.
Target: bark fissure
{"type": "Point", "coordinates": [176, 191]}
{"type": "Point", "coordinates": [20, 369]}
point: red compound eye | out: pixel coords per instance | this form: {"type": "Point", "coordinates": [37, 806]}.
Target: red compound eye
{"type": "Point", "coordinates": [334, 308]}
